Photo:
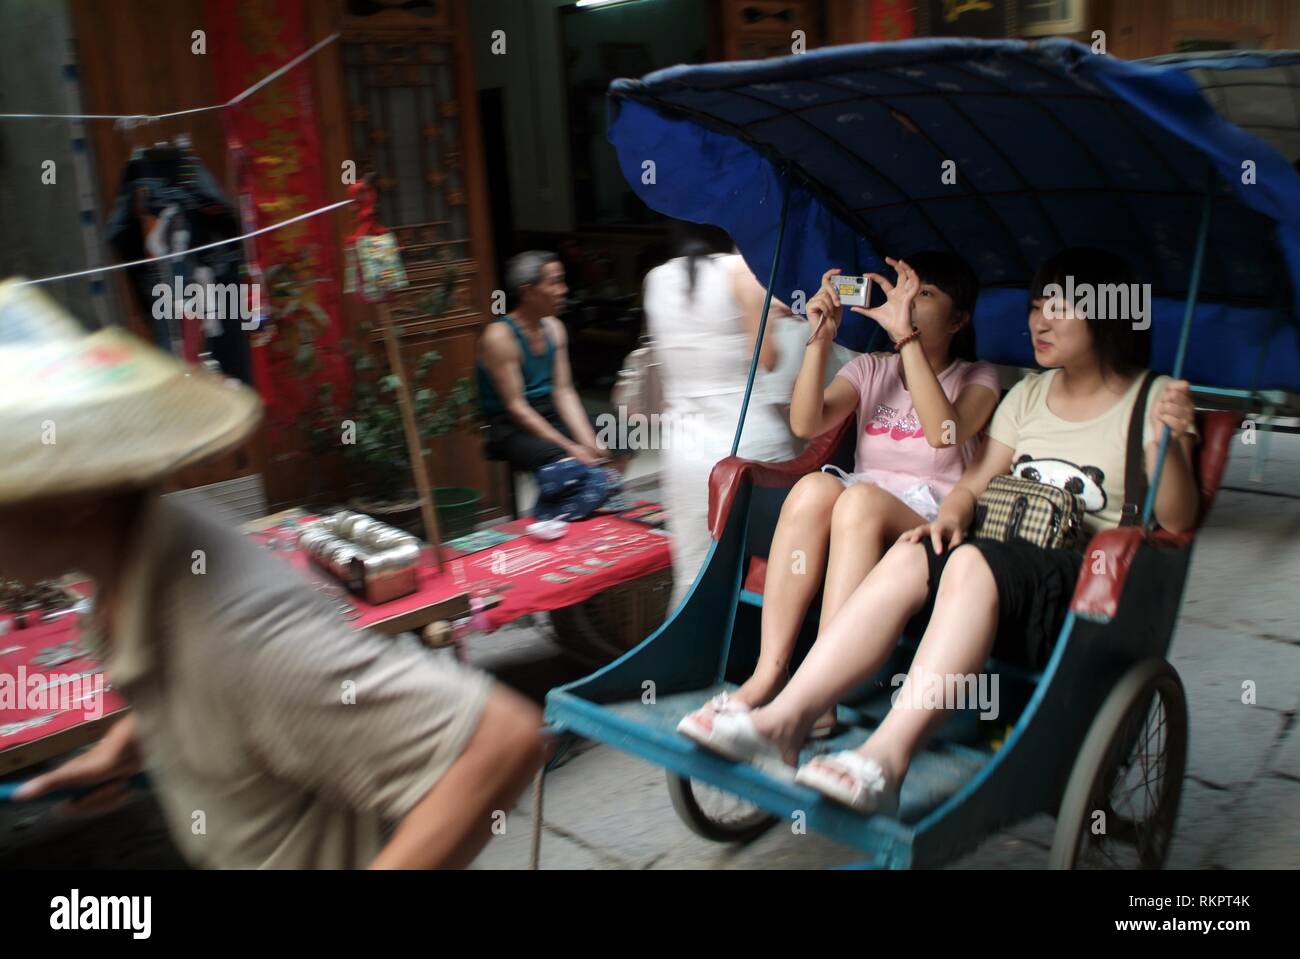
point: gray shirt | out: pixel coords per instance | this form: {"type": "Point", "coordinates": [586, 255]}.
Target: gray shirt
{"type": "Point", "coordinates": [275, 734]}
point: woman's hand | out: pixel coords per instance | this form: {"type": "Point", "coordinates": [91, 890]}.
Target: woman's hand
{"type": "Point", "coordinates": [824, 310]}
{"type": "Point", "coordinates": [895, 315]}
{"type": "Point", "coordinates": [942, 531]}
{"type": "Point", "coordinates": [1174, 409]}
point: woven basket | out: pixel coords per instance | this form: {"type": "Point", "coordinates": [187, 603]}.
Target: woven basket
{"type": "Point", "coordinates": [604, 627]}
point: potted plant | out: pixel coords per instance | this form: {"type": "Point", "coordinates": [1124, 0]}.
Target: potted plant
{"type": "Point", "coordinates": [374, 445]}
{"type": "Point", "coordinates": [379, 451]}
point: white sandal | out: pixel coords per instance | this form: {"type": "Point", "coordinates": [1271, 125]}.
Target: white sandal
{"type": "Point", "coordinates": [720, 704]}
{"type": "Point", "coordinates": [734, 737]}
{"type": "Point", "coordinates": [869, 792]}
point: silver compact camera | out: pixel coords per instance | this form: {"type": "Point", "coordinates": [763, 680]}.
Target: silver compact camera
{"type": "Point", "coordinates": [852, 290]}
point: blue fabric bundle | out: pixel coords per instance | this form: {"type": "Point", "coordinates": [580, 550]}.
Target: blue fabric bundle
{"type": "Point", "coordinates": [570, 489]}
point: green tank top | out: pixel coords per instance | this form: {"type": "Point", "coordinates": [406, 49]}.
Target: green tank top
{"type": "Point", "coordinates": [536, 372]}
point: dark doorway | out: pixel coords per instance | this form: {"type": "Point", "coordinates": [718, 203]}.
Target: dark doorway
{"type": "Point", "coordinates": [492, 117]}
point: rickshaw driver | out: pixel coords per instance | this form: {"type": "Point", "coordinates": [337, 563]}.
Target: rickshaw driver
{"type": "Point", "coordinates": [237, 671]}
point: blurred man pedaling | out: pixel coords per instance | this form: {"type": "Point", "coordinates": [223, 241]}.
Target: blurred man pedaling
{"type": "Point", "coordinates": [237, 671]}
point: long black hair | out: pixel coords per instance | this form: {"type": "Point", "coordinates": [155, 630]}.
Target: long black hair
{"type": "Point", "coordinates": [1120, 347]}
{"type": "Point", "coordinates": [950, 273]}
{"type": "Point", "coordinates": [696, 240]}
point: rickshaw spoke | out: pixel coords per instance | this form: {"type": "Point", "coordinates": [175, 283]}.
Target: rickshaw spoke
{"type": "Point", "coordinates": [1132, 793]}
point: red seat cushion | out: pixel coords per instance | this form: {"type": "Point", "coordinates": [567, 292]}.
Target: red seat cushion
{"type": "Point", "coordinates": [730, 474]}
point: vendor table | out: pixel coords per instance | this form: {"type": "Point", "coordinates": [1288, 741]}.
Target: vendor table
{"type": "Point", "coordinates": [499, 584]}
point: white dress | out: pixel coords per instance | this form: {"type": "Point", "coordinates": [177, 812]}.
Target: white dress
{"type": "Point", "coordinates": [701, 344]}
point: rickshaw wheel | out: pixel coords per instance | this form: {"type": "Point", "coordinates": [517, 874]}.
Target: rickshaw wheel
{"type": "Point", "coordinates": [1130, 768]}
{"type": "Point", "coordinates": [716, 815]}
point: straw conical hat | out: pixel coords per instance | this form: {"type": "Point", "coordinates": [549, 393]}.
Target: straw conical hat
{"type": "Point", "coordinates": [80, 412]}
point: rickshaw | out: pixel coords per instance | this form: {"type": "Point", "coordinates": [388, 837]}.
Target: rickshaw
{"type": "Point", "coordinates": [1004, 151]}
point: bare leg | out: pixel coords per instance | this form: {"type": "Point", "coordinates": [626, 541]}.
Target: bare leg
{"type": "Point", "coordinates": [796, 564]}
{"type": "Point", "coordinates": [453, 821]}
{"type": "Point", "coordinates": [864, 520]}
{"type": "Point", "coordinates": [957, 642]}
{"type": "Point", "coordinates": [853, 646]}
{"type": "Point", "coordinates": [867, 520]}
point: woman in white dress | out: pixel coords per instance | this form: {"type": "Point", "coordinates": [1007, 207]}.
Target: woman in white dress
{"type": "Point", "coordinates": [702, 310]}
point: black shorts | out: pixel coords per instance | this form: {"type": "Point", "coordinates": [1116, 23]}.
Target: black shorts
{"type": "Point", "coordinates": [1034, 590]}
{"type": "Point", "coordinates": [507, 440]}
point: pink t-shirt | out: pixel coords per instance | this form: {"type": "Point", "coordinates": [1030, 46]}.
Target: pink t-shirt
{"type": "Point", "coordinates": [890, 437]}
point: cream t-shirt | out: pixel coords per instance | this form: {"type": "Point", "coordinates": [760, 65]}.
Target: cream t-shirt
{"type": "Point", "coordinates": [1086, 457]}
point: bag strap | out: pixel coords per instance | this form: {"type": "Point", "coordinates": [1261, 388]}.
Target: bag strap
{"type": "Point", "coordinates": [1135, 474]}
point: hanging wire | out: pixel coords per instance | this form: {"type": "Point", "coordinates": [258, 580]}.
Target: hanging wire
{"type": "Point", "coordinates": [194, 249]}
{"type": "Point", "coordinates": [155, 117]}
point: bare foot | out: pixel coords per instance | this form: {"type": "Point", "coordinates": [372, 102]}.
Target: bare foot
{"type": "Point", "coordinates": [760, 689]}
{"type": "Point", "coordinates": [786, 736]}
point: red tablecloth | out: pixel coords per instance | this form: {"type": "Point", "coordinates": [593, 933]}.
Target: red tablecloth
{"type": "Point", "coordinates": [613, 550]}
{"type": "Point", "coordinates": [41, 654]}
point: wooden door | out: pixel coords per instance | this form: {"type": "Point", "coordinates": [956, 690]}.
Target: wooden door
{"type": "Point", "coordinates": [406, 108]}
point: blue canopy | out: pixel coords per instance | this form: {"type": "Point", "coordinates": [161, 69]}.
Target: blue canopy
{"type": "Point", "coordinates": [1051, 146]}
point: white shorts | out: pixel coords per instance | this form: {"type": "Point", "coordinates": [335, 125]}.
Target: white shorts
{"type": "Point", "coordinates": [916, 494]}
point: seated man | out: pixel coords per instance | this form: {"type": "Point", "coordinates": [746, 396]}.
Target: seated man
{"type": "Point", "coordinates": [524, 384]}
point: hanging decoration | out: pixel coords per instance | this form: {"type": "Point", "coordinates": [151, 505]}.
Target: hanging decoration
{"type": "Point", "coordinates": [297, 353]}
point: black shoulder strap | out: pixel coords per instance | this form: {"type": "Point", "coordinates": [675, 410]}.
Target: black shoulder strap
{"type": "Point", "coordinates": [1135, 473]}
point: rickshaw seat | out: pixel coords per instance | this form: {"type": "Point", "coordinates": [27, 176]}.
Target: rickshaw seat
{"type": "Point", "coordinates": [730, 475]}
{"type": "Point", "coordinates": [1097, 593]}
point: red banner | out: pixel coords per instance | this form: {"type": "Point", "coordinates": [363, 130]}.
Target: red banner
{"type": "Point", "coordinates": [280, 176]}
{"type": "Point", "coordinates": [890, 20]}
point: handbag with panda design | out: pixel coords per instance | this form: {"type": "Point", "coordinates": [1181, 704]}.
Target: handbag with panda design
{"type": "Point", "coordinates": [1049, 517]}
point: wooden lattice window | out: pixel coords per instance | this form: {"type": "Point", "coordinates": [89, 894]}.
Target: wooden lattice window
{"type": "Point", "coordinates": [405, 125]}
